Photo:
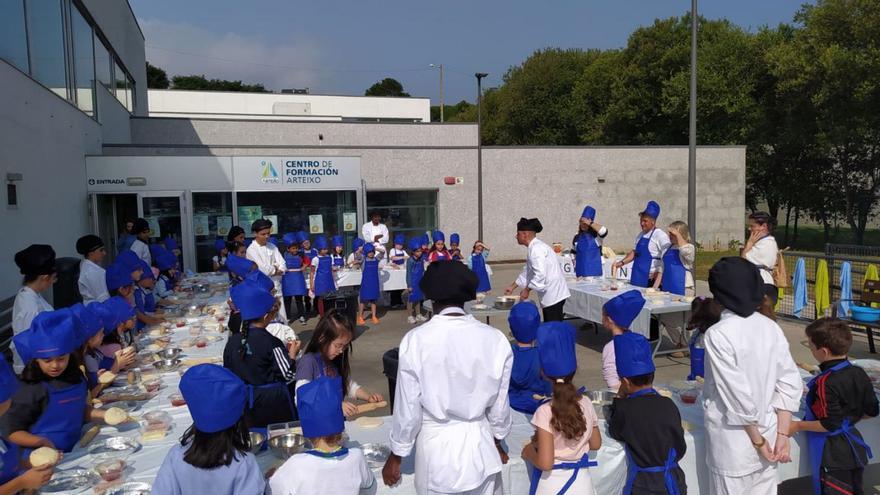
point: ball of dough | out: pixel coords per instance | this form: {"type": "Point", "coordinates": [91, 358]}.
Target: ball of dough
{"type": "Point", "coordinates": [43, 456]}
{"type": "Point", "coordinates": [114, 416]}
{"type": "Point", "coordinates": [106, 378]}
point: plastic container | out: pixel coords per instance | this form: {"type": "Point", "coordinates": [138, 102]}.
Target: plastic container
{"type": "Point", "coordinates": [865, 314]}
{"type": "Point", "coordinates": [177, 400]}
{"type": "Point", "coordinates": [110, 470]}
{"type": "Point", "coordinates": [152, 385]}
{"type": "Point", "coordinates": [689, 396]}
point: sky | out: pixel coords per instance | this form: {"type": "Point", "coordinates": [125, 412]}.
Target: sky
{"type": "Point", "coordinates": [344, 46]}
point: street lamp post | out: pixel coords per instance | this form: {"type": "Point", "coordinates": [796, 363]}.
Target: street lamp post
{"type": "Point", "coordinates": [692, 145]}
{"type": "Point", "coordinates": [480, 76]}
{"type": "Point", "coordinates": [440, 66]}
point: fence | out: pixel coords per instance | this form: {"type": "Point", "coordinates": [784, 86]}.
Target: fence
{"type": "Point", "coordinates": [852, 250]}
{"type": "Point", "coordinates": [859, 265]}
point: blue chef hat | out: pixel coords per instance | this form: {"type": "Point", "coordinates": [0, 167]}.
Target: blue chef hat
{"type": "Point", "coordinates": [400, 239]}
{"type": "Point", "coordinates": [272, 240]}
{"type": "Point", "coordinates": [166, 261]}
{"type": "Point", "coordinates": [632, 355]}
{"type": "Point", "coordinates": [252, 300]}
{"type": "Point", "coordinates": [127, 259]}
{"type": "Point", "coordinates": [219, 244]}
{"type": "Point", "coordinates": [104, 311]}
{"type": "Point", "coordinates": [8, 381]}
{"type": "Point", "coordinates": [438, 236]}
{"type": "Point", "coordinates": [87, 321]}
{"type": "Point", "coordinates": [117, 275]}
{"type": "Point", "coordinates": [303, 236]}
{"type": "Point", "coordinates": [624, 308]}
{"type": "Point", "coordinates": [652, 210]}
{"type": "Point", "coordinates": [118, 312]}
{"type": "Point", "coordinates": [148, 271]}
{"type": "Point", "coordinates": [239, 265]}
{"type": "Point", "coordinates": [338, 241]}
{"type": "Point", "coordinates": [170, 243]}
{"type": "Point", "coordinates": [524, 320]}
{"type": "Point", "coordinates": [454, 239]}
{"type": "Point", "coordinates": [425, 239]}
{"type": "Point", "coordinates": [248, 242]}
{"type": "Point", "coordinates": [415, 243]}
{"type": "Point", "coordinates": [156, 250]}
{"type": "Point", "coordinates": [319, 403]}
{"type": "Point", "coordinates": [589, 212]}
{"type": "Point", "coordinates": [357, 243]}
{"type": "Point", "coordinates": [261, 279]}
{"type": "Point", "coordinates": [214, 395]}
{"type": "Point", "coordinates": [320, 242]}
{"type": "Point", "coordinates": [290, 238]}
{"type": "Point", "coordinates": [52, 334]}
{"type": "Point", "coordinates": [556, 349]}
{"type": "Point", "coordinates": [369, 248]}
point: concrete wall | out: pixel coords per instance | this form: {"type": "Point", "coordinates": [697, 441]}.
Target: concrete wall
{"type": "Point", "coordinates": [234, 105]}
{"type": "Point", "coordinates": [45, 138]}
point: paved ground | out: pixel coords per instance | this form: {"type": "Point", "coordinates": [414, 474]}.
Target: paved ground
{"type": "Point", "coordinates": [373, 340]}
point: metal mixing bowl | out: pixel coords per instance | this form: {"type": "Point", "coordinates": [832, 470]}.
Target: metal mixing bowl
{"type": "Point", "coordinates": [505, 303]}
{"type": "Point", "coordinates": [169, 353]}
{"type": "Point", "coordinates": [166, 364]}
{"type": "Point", "coordinates": [257, 440]}
{"type": "Point", "coordinates": [284, 446]}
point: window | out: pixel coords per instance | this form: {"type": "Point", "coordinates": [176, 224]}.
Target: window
{"type": "Point", "coordinates": [11, 195]}
{"type": "Point", "coordinates": [83, 63]}
{"type": "Point", "coordinates": [13, 38]}
{"type": "Point", "coordinates": [129, 95]}
{"type": "Point", "coordinates": [103, 66]}
{"type": "Point", "coordinates": [45, 30]}
{"type": "Point", "coordinates": [411, 213]}
{"type": "Point", "coordinates": [212, 218]}
{"type": "Point", "coordinates": [119, 83]}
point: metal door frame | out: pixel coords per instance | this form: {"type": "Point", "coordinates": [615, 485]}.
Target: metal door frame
{"type": "Point", "coordinates": [187, 243]}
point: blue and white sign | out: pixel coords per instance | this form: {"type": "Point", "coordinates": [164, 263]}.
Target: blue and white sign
{"type": "Point", "coordinates": [285, 173]}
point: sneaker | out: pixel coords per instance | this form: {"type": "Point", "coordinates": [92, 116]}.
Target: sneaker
{"type": "Point", "coordinates": [374, 320]}
{"type": "Point", "coordinates": [411, 320]}
{"type": "Point", "coordinates": [302, 320]}
{"type": "Point", "coordinates": [360, 321]}
{"type": "Point", "coordinates": [421, 318]}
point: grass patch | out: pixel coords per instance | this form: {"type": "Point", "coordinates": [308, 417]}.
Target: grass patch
{"type": "Point", "coordinates": [705, 260]}
{"type": "Point", "coordinates": [812, 238]}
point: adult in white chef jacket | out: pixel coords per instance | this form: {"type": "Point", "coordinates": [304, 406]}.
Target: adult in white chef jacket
{"type": "Point", "coordinates": [761, 249]}
{"type": "Point", "coordinates": [37, 263]}
{"type": "Point", "coordinates": [92, 283]}
{"type": "Point", "coordinates": [752, 386]}
{"type": "Point", "coordinates": [267, 256]}
{"type": "Point", "coordinates": [376, 232]}
{"type": "Point", "coordinates": [542, 271]}
{"type": "Point", "coordinates": [141, 244]}
{"type": "Point", "coordinates": [455, 418]}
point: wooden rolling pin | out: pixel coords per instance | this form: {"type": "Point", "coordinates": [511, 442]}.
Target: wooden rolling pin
{"type": "Point", "coordinates": [370, 406]}
{"type": "Point", "coordinates": [89, 435]}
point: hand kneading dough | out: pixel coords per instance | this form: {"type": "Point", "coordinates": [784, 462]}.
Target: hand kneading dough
{"type": "Point", "coordinates": [106, 377]}
{"type": "Point", "coordinates": [43, 456]}
{"type": "Point", "coordinates": [368, 423]}
{"type": "Point", "coordinates": [114, 416]}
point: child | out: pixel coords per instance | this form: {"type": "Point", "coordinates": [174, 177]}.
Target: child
{"type": "Point", "coordinates": [454, 250]}
{"type": "Point", "coordinates": [426, 244]}
{"type": "Point", "coordinates": [141, 245]}
{"type": "Point", "coordinates": [840, 396]}
{"type": "Point", "coordinates": [525, 378]}
{"type": "Point", "coordinates": [617, 315]}
{"type": "Point", "coordinates": [327, 355]}
{"type": "Point", "coordinates": [90, 333]}
{"type": "Point", "coordinates": [415, 268]}
{"type": "Point", "coordinates": [118, 318]}
{"type": "Point", "coordinates": [356, 258]}
{"type": "Point", "coordinates": [167, 264]}
{"type": "Point", "coordinates": [566, 427]}
{"type": "Point", "coordinates": [321, 278]}
{"type": "Point", "coordinates": [145, 301]}
{"type": "Point", "coordinates": [219, 259]}
{"type": "Point", "coordinates": [91, 283]}
{"type": "Point", "coordinates": [14, 479]}
{"type": "Point", "coordinates": [369, 292]}
{"type": "Point", "coordinates": [705, 312]}
{"type": "Point", "coordinates": [131, 262]}
{"type": "Point", "coordinates": [329, 465]}
{"type": "Point", "coordinates": [306, 245]}
{"type": "Point", "coordinates": [438, 250]}
{"type": "Point", "coordinates": [293, 282]}
{"type": "Point", "coordinates": [49, 408]}
{"type": "Point", "coordinates": [213, 455]}
{"type": "Point", "coordinates": [477, 263]}
{"type": "Point", "coordinates": [647, 423]}
{"type": "Point", "coordinates": [261, 359]}
{"type": "Point", "coordinates": [338, 255]}
{"type": "Point", "coordinates": [118, 279]}
{"type": "Point", "coordinates": [397, 256]}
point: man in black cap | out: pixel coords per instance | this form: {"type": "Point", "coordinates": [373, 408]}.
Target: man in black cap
{"type": "Point", "coordinates": [752, 385]}
{"type": "Point", "coordinates": [37, 263]}
{"type": "Point", "coordinates": [141, 244]}
{"type": "Point", "coordinates": [92, 284]}
{"type": "Point", "coordinates": [451, 395]}
{"type": "Point", "coordinates": [542, 272]}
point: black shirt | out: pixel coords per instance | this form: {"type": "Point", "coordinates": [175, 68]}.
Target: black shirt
{"type": "Point", "coordinates": [649, 425]}
{"type": "Point", "coordinates": [848, 394]}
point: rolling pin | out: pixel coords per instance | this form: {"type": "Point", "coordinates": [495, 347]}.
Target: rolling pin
{"type": "Point", "coordinates": [89, 435]}
{"type": "Point", "coordinates": [371, 406]}
{"type": "Point", "coordinates": [540, 397]}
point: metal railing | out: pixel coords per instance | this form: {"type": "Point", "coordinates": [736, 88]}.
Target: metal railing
{"type": "Point", "coordinates": [852, 250]}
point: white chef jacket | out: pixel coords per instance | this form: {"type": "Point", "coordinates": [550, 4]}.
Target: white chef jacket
{"type": "Point", "coordinates": [763, 254]}
{"type": "Point", "coordinates": [142, 251]}
{"type": "Point", "coordinates": [369, 231]}
{"type": "Point", "coordinates": [543, 273]}
{"type": "Point", "coordinates": [452, 417]}
{"type": "Point", "coordinates": [268, 258]}
{"type": "Point", "coordinates": [306, 474]}
{"type": "Point", "coordinates": [92, 282]}
{"type": "Point", "coordinates": [657, 246]}
{"type": "Point", "coordinates": [749, 375]}
{"type": "Point", "coordinates": [28, 304]}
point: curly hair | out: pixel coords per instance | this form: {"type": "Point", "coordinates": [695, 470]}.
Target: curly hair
{"type": "Point", "coordinates": [567, 415]}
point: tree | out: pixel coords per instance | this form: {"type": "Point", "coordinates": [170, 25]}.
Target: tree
{"type": "Point", "coordinates": [386, 87]}
{"type": "Point", "coordinates": [204, 84]}
{"type": "Point", "coordinates": [450, 112]}
{"type": "Point", "coordinates": [156, 77]}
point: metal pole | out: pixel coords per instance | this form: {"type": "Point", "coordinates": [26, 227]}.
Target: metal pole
{"type": "Point", "coordinates": [441, 93]}
{"type": "Point", "coordinates": [480, 76]}
{"type": "Point", "coordinates": [692, 148]}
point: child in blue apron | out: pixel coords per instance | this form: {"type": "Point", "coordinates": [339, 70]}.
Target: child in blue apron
{"type": "Point", "coordinates": [328, 467]}
{"type": "Point", "coordinates": [167, 264]}
{"type": "Point", "coordinates": [415, 268]}
{"type": "Point", "coordinates": [90, 332]}
{"type": "Point", "coordinates": [648, 424]}
{"type": "Point", "coordinates": [617, 315]}
{"type": "Point", "coordinates": [131, 262]}
{"type": "Point", "coordinates": [293, 282]}
{"type": "Point", "coordinates": [118, 324]}
{"type": "Point", "coordinates": [839, 397]}
{"type": "Point", "coordinates": [327, 355]}
{"type": "Point", "coordinates": [426, 244]}
{"type": "Point", "coordinates": [321, 279]}
{"type": "Point", "coordinates": [477, 263]}
{"type": "Point", "coordinates": [369, 291]}
{"type": "Point", "coordinates": [218, 261]}
{"type": "Point", "coordinates": [397, 256]}
{"type": "Point", "coordinates": [566, 427]}
{"type": "Point", "coordinates": [455, 247]}
{"type": "Point", "coordinates": [587, 245]}
{"type": "Point", "coordinates": [525, 378]}
{"type": "Point", "coordinates": [338, 255]}
{"type": "Point", "coordinates": [13, 477]}
{"type": "Point", "coordinates": [260, 359]}
{"type": "Point", "coordinates": [705, 312]}
{"type": "Point", "coordinates": [145, 300]}
{"type": "Point", "coordinates": [306, 245]}
{"type": "Point", "coordinates": [438, 249]}
{"type": "Point", "coordinates": [50, 407]}
{"type": "Point", "coordinates": [213, 455]}
{"type": "Point", "coordinates": [356, 258]}
{"type": "Point", "coordinates": [118, 278]}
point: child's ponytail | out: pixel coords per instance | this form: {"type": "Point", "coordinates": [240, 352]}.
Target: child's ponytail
{"type": "Point", "coordinates": [567, 415]}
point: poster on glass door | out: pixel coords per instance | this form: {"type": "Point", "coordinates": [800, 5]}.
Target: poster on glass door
{"type": "Point", "coordinates": [316, 224]}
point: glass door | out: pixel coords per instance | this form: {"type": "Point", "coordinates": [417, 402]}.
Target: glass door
{"type": "Point", "coordinates": [110, 214]}
{"type": "Point", "coordinates": [164, 212]}
{"type": "Point", "coordinates": [211, 219]}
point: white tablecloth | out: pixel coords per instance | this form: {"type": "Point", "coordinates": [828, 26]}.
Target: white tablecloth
{"type": "Point", "coordinates": [389, 278]}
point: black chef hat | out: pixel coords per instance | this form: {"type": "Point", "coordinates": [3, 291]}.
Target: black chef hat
{"type": "Point", "coordinates": [449, 281]}
{"type": "Point", "coordinates": [261, 224]}
{"type": "Point", "coordinates": [234, 232]}
{"type": "Point", "coordinates": [88, 243]}
{"type": "Point", "coordinates": [139, 226]}
{"type": "Point", "coordinates": [36, 259]}
{"type": "Point", "coordinates": [737, 285]}
{"type": "Point", "coordinates": [529, 224]}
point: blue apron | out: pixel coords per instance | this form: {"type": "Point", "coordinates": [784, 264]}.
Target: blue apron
{"type": "Point", "coordinates": [106, 362]}
{"type": "Point", "coordinates": [674, 272]}
{"type": "Point", "coordinates": [62, 420]}
{"type": "Point", "coordinates": [441, 255]}
{"type": "Point", "coordinates": [588, 256]}
{"type": "Point", "coordinates": [293, 283]}
{"type": "Point", "coordinates": [576, 466]}
{"type": "Point", "coordinates": [526, 381]}
{"type": "Point", "coordinates": [455, 254]}
{"type": "Point", "coordinates": [10, 465]}
{"type": "Point", "coordinates": [478, 265]}
{"type": "Point", "coordinates": [395, 252]}
{"type": "Point", "coordinates": [698, 358]}
{"type": "Point", "coordinates": [338, 260]}
{"type": "Point", "coordinates": [816, 440]}
{"type": "Point", "coordinates": [667, 469]}
{"type": "Point", "coordinates": [370, 280]}
{"type": "Point", "coordinates": [324, 277]}
{"type": "Point", "coordinates": [311, 253]}
{"type": "Point", "coordinates": [641, 269]}
{"type": "Point", "coordinates": [415, 278]}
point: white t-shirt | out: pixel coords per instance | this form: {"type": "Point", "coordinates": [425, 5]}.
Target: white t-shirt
{"type": "Point", "coordinates": [763, 254]}
{"type": "Point", "coordinates": [92, 282]}
{"type": "Point", "coordinates": [306, 474]}
{"type": "Point", "coordinates": [142, 251]}
{"type": "Point", "coordinates": [657, 246]}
